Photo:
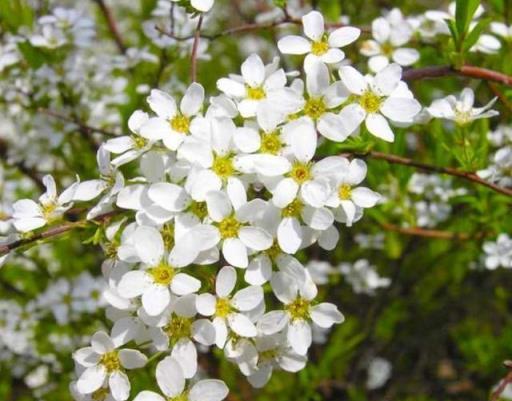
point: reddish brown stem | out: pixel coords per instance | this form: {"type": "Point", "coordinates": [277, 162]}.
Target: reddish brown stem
{"type": "Point", "coordinates": [466, 71]}
{"type": "Point", "coordinates": [394, 159]}
{"type": "Point", "coordinates": [112, 26]}
{"type": "Point", "coordinates": [195, 46]}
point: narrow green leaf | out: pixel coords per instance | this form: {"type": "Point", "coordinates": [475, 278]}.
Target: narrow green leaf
{"type": "Point", "coordinates": [475, 33]}
{"type": "Point", "coordinates": [464, 12]}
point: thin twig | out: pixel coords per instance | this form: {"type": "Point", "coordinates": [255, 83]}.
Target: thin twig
{"type": "Point", "coordinates": [195, 46]}
{"type": "Point", "coordinates": [469, 71]}
{"type": "Point", "coordinates": [52, 232]}
{"type": "Point", "coordinates": [438, 234]}
{"type": "Point", "coordinates": [469, 176]}
{"type": "Point", "coordinates": [112, 26]}
{"type": "Point", "coordinates": [29, 172]}
{"type": "Point", "coordinates": [83, 127]}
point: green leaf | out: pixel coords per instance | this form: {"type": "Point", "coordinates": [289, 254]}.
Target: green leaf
{"type": "Point", "coordinates": [15, 13]}
{"type": "Point", "coordinates": [32, 55]}
{"type": "Point", "coordinates": [464, 11]}
{"type": "Point", "coordinates": [453, 30]}
{"type": "Point", "coordinates": [475, 33]}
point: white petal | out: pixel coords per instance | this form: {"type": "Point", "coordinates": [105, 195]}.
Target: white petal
{"type": "Point", "coordinates": [225, 281]}
{"type": "Point", "coordinates": [242, 325]}
{"type": "Point", "coordinates": [294, 45]}
{"type": "Point", "coordinates": [313, 25]}
{"type": "Point", "coordinates": [255, 238]}
{"type": "Point", "coordinates": [132, 359]}
{"type": "Point", "coordinates": [353, 80]}
{"type": "Point", "coordinates": [162, 104]}
{"type": "Point", "coordinates": [208, 390]}
{"type": "Point", "coordinates": [184, 284]}
{"type": "Point", "coordinates": [289, 235]}
{"type": "Point", "coordinates": [193, 100]}
{"type": "Point", "coordinates": [326, 314]}
{"type": "Point", "coordinates": [344, 36]}
{"type": "Point", "coordinates": [235, 252]}
{"type": "Point", "coordinates": [91, 379]}
{"type": "Point", "coordinates": [253, 71]}
{"type": "Point", "coordinates": [378, 126]}
{"type": "Point", "coordinates": [184, 351]}
{"type": "Point", "coordinates": [365, 197]}
{"type": "Point", "coordinates": [299, 336]}
{"type": "Point", "coordinates": [400, 109]}
{"type": "Point", "coordinates": [155, 299]}
{"type": "Point", "coordinates": [248, 298]}
{"type": "Point", "coordinates": [170, 378]}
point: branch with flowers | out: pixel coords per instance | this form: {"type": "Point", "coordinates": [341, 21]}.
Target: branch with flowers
{"type": "Point", "coordinates": [243, 247]}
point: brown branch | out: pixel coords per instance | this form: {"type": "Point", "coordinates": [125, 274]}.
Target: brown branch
{"type": "Point", "coordinates": [112, 26]}
{"type": "Point", "coordinates": [195, 46]}
{"type": "Point", "coordinates": [29, 172]}
{"type": "Point", "coordinates": [84, 128]}
{"type": "Point", "coordinates": [52, 232]}
{"type": "Point", "coordinates": [437, 234]}
{"type": "Point", "coordinates": [469, 176]}
{"type": "Point", "coordinates": [469, 71]}
{"type": "Point", "coordinates": [244, 28]}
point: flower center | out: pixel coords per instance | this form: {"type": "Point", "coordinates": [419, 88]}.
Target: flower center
{"type": "Point", "coordinates": [181, 124]}
{"type": "Point", "coordinates": [179, 327]}
{"type": "Point", "coordinates": [229, 227]}
{"type": "Point", "coordinates": [345, 192]}
{"type": "Point", "coordinates": [162, 274]}
{"type": "Point", "coordinates": [223, 307]}
{"type": "Point", "coordinates": [294, 209]}
{"type": "Point", "coordinates": [111, 250]}
{"type": "Point", "coordinates": [298, 309]}
{"type": "Point", "coordinates": [223, 166]}
{"type": "Point", "coordinates": [387, 49]}
{"type": "Point", "coordinates": [49, 211]}
{"type": "Point", "coordinates": [275, 250]}
{"type": "Point", "coordinates": [370, 102]}
{"type": "Point", "coordinates": [268, 355]}
{"type": "Point", "coordinates": [139, 142]}
{"type": "Point", "coordinates": [111, 361]}
{"type": "Point", "coordinates": [300, 172]}
{"type": "Point", "coordinates": [199, 209]}
{"type": "Point", "coordinates": [271, 143]}
{"type": "Point", "coordinates": [462, 117]}
{"type": "Point", "coordinates": [100, 395]}
{"type": "Point", "coordinates": [319, 48]}
{"type": "Point", "coordinates": [257, 93]}
{"type": "Point", "coordinates": [167, 232]}
{"type": "Point", "coordinates": [315, 108]}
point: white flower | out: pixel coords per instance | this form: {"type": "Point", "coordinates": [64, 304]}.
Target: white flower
{"type": "Point", "coordinates": [379, 372]}
{"type": "Point", "coordinates": [274, 352]}
{"type": "Point", "coordinates": [172, 125]}
{"type": "Point", "coordinates": [159, 278]}
{"type": "Point", "coordinates": [390, 33]}
{"type": "Point", "coordinates": [461, 110]}
{"type": "Point", "coordinates": [383, 95]}
{"type": "Point", "coordinates": [299, 311]}
{"type": "Point", "coordinates": [200, 5]}
{"type": "Point", "coordinates": [28, 215]}
{"type": "Point", "coordinates": [347, 195]}
{"type": "Point", "coordinates": [171, 381]}
{"type": "Point", "coordinates": [258, 84]}
{"type": "Point", "coordinates": [498, 253]}
{"type": "Point", "coordinates": [238, 235]}
{"type": "Point", "coordinates": [131, 147]}
{"type": "Point", "coordinates": [363, 277]}
{"type": "Point", "coordinates": [319, 45]}
{"type": "Point", "coordinates": [229, 311]}
{"type": "Point", "coordinates": [177, 329]}
{"type": "Point", "coordinates": [499, 171]}
{"type": "Point", "coordinates": [102, 362]}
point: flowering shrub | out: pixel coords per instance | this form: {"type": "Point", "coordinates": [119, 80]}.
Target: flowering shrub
{"type": "Point", "coordinates": [259, 199]}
